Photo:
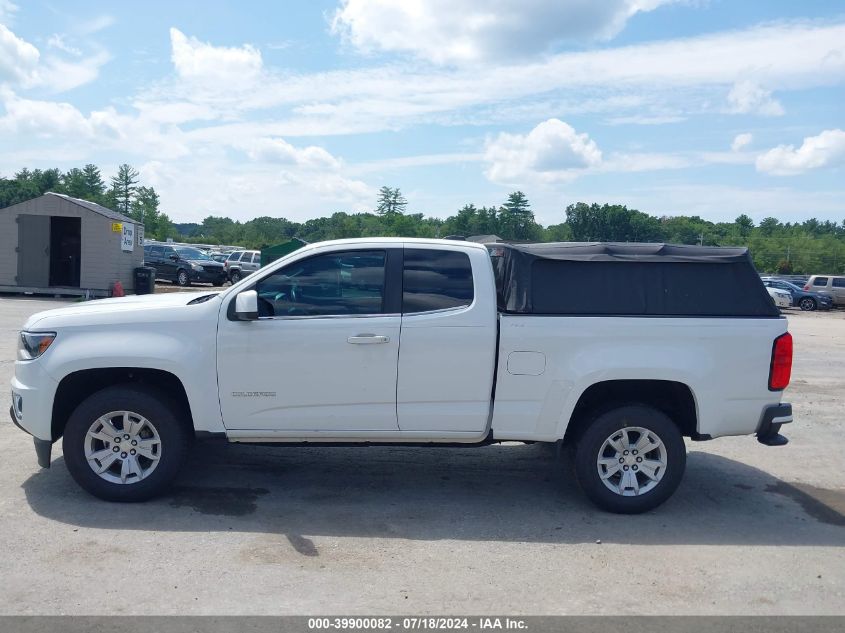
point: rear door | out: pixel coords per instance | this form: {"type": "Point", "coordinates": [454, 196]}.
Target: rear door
{"type": "Point", "coordinates": [838, 290]}
{"type": "Point", "coordinates": [448, 343]}
{"type": "Point", "coordinates": [33, 250]}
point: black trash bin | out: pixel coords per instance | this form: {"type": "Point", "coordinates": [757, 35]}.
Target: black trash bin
{"type": "Point", "coordinates": [145, 280]}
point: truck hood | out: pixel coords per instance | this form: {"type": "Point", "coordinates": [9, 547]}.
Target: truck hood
{"type": "Point", "coordinates": [127, 309]}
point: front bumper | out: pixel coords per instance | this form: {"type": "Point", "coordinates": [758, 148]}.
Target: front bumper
{"type": "Point", "coordinates": [43, 448]}
{"type": "Point", "coordinates": [206, 276]}
{"type": "Point", "coordinates": [774, 416]}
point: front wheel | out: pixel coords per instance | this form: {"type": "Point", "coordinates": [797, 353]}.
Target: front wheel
{"type": "Point", "coordinates": [807, 304]}
{"type": "Point", "coordinates": [235, 276]}
{"type": "Point", "coordinates": [630, 459]}
{"type": "Point", "coordinates": [182, 278]}
{"type": "Point", "coordinates": [125, 443]}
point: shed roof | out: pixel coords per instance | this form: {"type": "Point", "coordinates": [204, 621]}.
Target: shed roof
{"type": "Point", "coordinates": [96, 208]}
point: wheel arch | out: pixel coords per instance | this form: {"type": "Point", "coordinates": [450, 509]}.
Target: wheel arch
{"type": "Point", "coordinates": [675, 399]}
{"type": "Point", "coordinates": [74, 388]}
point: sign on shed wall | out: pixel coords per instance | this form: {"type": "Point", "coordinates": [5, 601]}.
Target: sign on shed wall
{"type": "Point", "coordinates": [127, 243]}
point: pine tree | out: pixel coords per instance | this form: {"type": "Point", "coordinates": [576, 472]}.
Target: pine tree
{"type": "Point", "coordinates": [123, 187]}
{"type": "Point", "coordinates": [390, 201]}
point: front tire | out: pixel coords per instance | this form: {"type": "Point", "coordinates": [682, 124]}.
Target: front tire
{"type": "Point", "coordinates": [807, 304]}
{"type": "Point", "coordinates": [235, 276]}
{"type": "Point", "coordinates": [182, 278]}
{"type": "Point", "coordinates": [630, 459]}
{"type": "Point", "coordinates": [125, 443]}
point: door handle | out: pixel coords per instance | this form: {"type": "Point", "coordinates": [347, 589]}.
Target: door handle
{"type": "Point", "coordinates": [367, 339]}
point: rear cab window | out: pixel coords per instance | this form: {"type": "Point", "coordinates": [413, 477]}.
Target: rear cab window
{"type": "Point", "coordinates": [434, 279]}
{"type": "Point", "coordinates": [820, 281]}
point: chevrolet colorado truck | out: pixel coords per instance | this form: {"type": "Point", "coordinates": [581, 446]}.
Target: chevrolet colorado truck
{"type": "Point", "coordinates": [618, 351]}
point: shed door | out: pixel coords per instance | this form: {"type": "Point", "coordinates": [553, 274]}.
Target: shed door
{"type": "Point", "coordinates": [33, 250]}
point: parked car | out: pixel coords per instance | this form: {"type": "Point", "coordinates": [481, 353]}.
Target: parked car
{"type": "Point", "coordinates": [781, 298]}
{"type": "Point", "coordinates": [419, 342]}
{"type": "Point", "coordinates": [833, 285]}
{"type": "Point", "coordinates": [219, 257]}
{"type": "Point", "coordinates": [242, 263]}
{"type": "Point", "coordinates": [804, 299]}
{"type": "Point", "coordinates": [183, 265]}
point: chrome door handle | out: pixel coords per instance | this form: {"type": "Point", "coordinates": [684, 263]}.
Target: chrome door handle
{"type": "Point", "coordinates": [367, 339]}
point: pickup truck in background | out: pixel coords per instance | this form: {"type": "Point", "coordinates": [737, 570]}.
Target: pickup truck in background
{"type": "Point", "coordinates": [392, 340]}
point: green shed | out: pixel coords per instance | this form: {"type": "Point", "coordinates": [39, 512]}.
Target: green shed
{"type": "Point", "coordinates": [272, 253]}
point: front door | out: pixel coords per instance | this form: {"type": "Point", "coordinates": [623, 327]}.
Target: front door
{"type": "Point", "coordinates": [33, 251]}
{"type": "Point", "coordinates": [323, 354]}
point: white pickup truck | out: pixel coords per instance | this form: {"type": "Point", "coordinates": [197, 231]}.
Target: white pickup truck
{"type": "Point", "coordinates": [617, 350]}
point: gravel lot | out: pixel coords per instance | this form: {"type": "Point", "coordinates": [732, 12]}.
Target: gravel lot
{"type": "Point", "coordinates": [500, 529]}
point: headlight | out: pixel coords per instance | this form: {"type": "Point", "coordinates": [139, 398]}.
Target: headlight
{"type": "Point", "coordinates": [33, 344]}
{"type": "Point", "coordinates": [196, 266]}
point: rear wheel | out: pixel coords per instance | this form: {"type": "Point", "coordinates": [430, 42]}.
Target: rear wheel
{"type": "Point", "coordinates": [125, 443]}
{"type": "Point", "coordinates": [630, 459]}
{"type": "Point", "coordinates": [807, 304]}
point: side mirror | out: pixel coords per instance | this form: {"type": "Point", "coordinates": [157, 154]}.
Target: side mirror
{"type": "Point", "coordinates": [175, 258]}
{"type": "Point", "coordinates": [246, 305]}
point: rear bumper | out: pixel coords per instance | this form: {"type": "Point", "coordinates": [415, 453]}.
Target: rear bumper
{"type": "Point", "coordinates": [774, 416]}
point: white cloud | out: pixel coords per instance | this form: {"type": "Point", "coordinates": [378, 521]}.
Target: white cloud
{"type": "Point", "coordinates": [646, 82]}
{"type": "Point", "coordinates": [18, 58]}
{"type": "Point", "coordinates": [446, 31]}
{"type": "Point", "coordinates": [747, 97]}
{"type": "Point", "coordinates": [552, 151]}
{"type": "Point", "coordinates": [58, 42]}
{"type": "Point", "coordinates": [21, 64]}
{"type": "Point", "coordinates": [825, 150]}
{"type": "Point", "coordinates": [7, 10]}
{"type": "Point", "coordinates": [741, 141]}
{"type": "Point", "coordinates": [277, 150]}
{"type": "Point", "coordinates": [215, 66]}
{"type": "Point", "coordinates": [93, 25]}
{"type": "Point", "coordinates": [51, 119]}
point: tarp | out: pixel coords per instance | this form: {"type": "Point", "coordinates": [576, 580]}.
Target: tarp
{"type": "Point", "coordinates": [582, 278]}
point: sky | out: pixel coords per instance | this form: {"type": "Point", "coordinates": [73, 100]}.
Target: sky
{"type": "Point", "coordinates": [301, 109]}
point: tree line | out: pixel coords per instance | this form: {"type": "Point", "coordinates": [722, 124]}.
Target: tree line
{"type": "Point", "coordinates": [807, 247]}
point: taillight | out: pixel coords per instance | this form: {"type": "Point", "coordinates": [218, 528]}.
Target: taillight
{"type": "Point", "coordinates": [806, 286]}
{"type": "Point", "coordinates": [781, 367]}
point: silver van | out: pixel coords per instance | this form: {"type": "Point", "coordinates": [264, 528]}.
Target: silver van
{"type": "Point", "coordinates": [830, 284]}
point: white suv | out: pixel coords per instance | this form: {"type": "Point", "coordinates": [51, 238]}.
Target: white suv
{"type": "Point", "coordinates": [242, 263]}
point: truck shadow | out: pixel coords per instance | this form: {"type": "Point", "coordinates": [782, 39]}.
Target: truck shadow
{"type": "Point", "coordinates": [495, 493]}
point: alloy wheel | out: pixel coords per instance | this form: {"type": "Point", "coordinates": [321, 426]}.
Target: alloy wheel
{"type": "Point", "coordinates": [122, 447]}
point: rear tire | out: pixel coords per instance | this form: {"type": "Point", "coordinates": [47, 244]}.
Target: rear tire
{"type": "Point", "coordinates": [639, 439]}
{"type": "Point", "coordinates": [807, 304]}
{"type": "Point", "coordinates": [155, 432]}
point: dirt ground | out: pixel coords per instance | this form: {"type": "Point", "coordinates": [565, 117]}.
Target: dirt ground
{"type": "Point", "coordinates": [500, 529]}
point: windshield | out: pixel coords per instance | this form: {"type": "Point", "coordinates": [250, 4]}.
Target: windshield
{"type": "Point", "coordinates": [186, 252]}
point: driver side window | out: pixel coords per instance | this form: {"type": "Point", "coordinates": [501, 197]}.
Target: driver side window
{"type": "Point", "coordinates": [334, 284]}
